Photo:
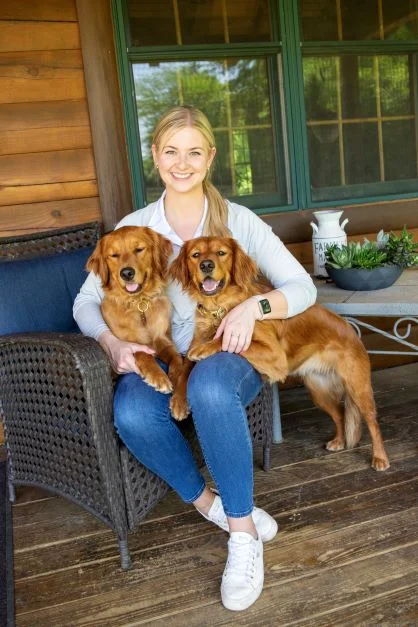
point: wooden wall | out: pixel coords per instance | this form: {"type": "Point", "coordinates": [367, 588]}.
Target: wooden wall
{"type": "Point", "coordinates": [47, 168]}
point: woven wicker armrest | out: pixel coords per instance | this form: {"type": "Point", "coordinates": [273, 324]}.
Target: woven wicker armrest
{"type": "Point", "coordinates": [56, 397]}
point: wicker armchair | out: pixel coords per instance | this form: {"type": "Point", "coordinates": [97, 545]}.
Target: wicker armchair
{"type": "Point", "coordinates": [56, 396]}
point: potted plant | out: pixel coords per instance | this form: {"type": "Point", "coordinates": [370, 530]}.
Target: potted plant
{"type": "Point", "coordinates": [371, 265]}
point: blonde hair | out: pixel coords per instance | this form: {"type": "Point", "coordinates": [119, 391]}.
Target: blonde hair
{"type": "Point", "coordinates": [175, 120]}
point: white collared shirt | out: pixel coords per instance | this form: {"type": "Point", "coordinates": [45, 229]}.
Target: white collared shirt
{"type": "Point", "coordinates": [253, 234]}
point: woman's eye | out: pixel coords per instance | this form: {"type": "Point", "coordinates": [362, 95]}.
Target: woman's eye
{"type": "Point", "coordinates": [139, 250]}
{"type": "Point", "coordinates": [221, 253]}
{"type": "Point", "coordinates": [195, 255]}
{"type": "Point", "coordinates": [195, 153]}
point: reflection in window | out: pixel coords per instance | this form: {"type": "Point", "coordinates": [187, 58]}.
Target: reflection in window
{"type": "Point", "coordinates": [181, 22]}
{"type": "Point", "coordinates": [360, 118]}
{"type": "Point", "coordinates": [234, 94]}
{"type": "Point", "coordinates": [344, 20]}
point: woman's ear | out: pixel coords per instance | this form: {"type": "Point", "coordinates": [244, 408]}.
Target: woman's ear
{"type": "Point", "coordinates": [244, 269]}
{"type": "Point", "coordinates": [97, 263]}
{"type": "Point", "coordinates": [179, 269]}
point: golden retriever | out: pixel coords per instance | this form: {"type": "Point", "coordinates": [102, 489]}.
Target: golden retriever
{"type": "Point", "coordinates": [132, 265]}
{"type": "Point", "coordinates": [317, 344]}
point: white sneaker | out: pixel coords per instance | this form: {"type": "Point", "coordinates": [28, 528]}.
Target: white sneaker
{"type": "Point", "coordinates": [243, 578]}
{"type": "Point", "coordinates": [264, 523]}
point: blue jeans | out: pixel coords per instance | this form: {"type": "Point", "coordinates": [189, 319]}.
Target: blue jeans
{"type": "Point", "coordinates": [219, 389]}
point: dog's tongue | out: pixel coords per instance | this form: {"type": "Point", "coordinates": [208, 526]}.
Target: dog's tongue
{"type": "Point", "coordinates": [210, 284]}
{"type": "Point", "coordinates": [131, 287]}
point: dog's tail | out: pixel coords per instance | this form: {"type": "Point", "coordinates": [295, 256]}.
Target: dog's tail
{"type": "Point", "coordinates": [352, 422]}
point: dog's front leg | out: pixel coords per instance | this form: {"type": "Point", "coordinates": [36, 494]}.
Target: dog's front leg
{"type": "Point", "coordinates": [178, 404]}
{"type": "Point", "coordinates": [151, 372]}
{"type": "Point", "coordinates": [167, 352]}
{"type": "Point", "coordinates": [199, 351]}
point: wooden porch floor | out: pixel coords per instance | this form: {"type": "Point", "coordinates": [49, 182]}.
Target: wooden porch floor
{"type": "Point", "coordinates": [346, 553]}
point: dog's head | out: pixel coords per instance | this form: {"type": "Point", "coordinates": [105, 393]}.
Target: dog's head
{"type": "Point", "coordinates": [131, 259]}
{"type": "Point", "coordinates": [206, 266]}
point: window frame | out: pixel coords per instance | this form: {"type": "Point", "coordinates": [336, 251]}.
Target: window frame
{"type": "Point", "coordinates": [286, 97]}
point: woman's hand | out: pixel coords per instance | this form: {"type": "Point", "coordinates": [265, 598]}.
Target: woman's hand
{"type": "Point", "coordinates": [120, 353]}
{"type": "Point", "coordinates": [238, 326]}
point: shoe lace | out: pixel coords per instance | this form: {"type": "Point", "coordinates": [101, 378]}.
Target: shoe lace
{"type": "Point", "coordinates": [241, 561]}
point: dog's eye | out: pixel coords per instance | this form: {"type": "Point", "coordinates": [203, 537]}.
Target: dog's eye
{"type": "Point", "coordinates": [196, 255]}
{"type": "Point", "coordinates": [115, 255]}
{"type": "Point", "coordinates": [139, 250]}
{"type": "Point", "coordinates": [221, 253]}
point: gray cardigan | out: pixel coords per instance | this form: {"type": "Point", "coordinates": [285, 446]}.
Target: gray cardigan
{"type": "Point", "coordinates": [254, 236]}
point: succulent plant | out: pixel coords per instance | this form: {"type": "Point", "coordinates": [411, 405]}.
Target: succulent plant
{"type": "Point", "coordinates": [388, 249]}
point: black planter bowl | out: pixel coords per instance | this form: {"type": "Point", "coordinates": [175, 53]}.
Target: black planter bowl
{"type": "Point", "coordinates": [363, 279]}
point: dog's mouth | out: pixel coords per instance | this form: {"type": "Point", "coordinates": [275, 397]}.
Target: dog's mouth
{"type": "Point", "coordinates": [210, 287]}
{"type": "Point", "coordinates": [133, 288]}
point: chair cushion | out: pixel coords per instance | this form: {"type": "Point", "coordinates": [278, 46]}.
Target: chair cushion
{"type": "Point", "coordinates": [37, 294]}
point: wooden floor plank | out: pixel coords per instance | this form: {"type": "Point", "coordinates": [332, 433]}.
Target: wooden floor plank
{"type": "Point", "coordinates": [71, 551]}
{"type": "Point", "coordinates": [190, 558]}
{"type": "Point", "coordinates": [364, 547]}
{"type": "Point", "coordinates": [398, 608]}
{"type": "Point", "coordinates": [345, 554]}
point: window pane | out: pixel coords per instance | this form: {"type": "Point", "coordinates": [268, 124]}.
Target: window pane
{"type": "Point", "coordinates": [181, 22]}
{"type": "Point", "coordinates": [152, 23]}
{"type": "Point", "coordinates": [360, 112]}
{"type": "Point", "coordinates": [400, 19]}
{"type": "Point", "coordinates": [318, 20]}
{"type": "Point", "coordinates": [344, 20]}
{"type": "Point", "coordinates": [359, 20]}
{"type": "Point", "coordinates": [234, 94]}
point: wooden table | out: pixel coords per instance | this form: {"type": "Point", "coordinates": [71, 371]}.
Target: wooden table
{"type": "Point", "coordinates": [399, 301]}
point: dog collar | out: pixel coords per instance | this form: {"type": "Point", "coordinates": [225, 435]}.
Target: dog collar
{"type": "Point", "coordinates": [215, 314]}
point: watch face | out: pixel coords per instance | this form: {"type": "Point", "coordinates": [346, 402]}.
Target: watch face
{"type": "Point", "coordinates": [265, 306]}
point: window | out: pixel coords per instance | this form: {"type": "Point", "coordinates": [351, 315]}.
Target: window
{"type": "Point", "coordinates": [312, 102]}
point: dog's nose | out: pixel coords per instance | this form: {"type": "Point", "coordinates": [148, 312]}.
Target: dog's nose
{"type": "Point", "coordinates": [127, 274]}
{"type": "Point", "coordinates": [207, 266]}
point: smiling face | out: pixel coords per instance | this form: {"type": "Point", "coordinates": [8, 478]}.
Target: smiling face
{"type": "Point", "coordinates": [131, 260]}
{"type": "Point", "coordinates": [183, 159]}
{"type": "Point", "coordinates": [209, 263]}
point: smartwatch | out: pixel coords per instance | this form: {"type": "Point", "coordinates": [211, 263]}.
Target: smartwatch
{"type": "Point", "coordinates": [264, 306]}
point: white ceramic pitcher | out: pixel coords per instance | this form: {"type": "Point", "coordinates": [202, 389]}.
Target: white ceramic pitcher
{"type": "Point", "coordinates": [327, 231]}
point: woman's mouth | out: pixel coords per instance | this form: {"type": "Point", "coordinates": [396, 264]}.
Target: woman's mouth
{"type": "Point", "coordinates": [181, 177]}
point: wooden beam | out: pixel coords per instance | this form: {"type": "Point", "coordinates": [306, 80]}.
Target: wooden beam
{"type": "Point", "coordinates": [103, 95]}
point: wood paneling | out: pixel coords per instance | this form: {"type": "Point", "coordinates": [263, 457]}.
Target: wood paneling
{"type": "Point", "coordinates": [294, 226]}
{"type": "Point", "coordinates": [21, 194]}
{"type": "Point", "coordinates": [44, 139]}
{"type": "Point", "coordinates": [38, 36]}
{"type": "Point", "coordinates": [105, 109]}
{"type": "Point", "coordinates": [23, 115]}
{"type": "Point", "coordinates": [19, 219]}
{"type": "Point", "coordinates": [47, 168]}
{"type": "Point", "coordinates": [39, 10]}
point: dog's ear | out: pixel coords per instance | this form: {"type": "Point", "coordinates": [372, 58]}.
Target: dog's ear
{"type": "Point", "coordinates": [244, 268]}
{"type": "Point", "coordinates": [97, 263]}
{"type": "Point", "coordinates": [179, 269]}
{"type": "Point", "coordinates": [161, 251]}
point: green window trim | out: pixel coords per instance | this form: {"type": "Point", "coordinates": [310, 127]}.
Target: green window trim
{"type": "Point", "coordinates": [287, 105]}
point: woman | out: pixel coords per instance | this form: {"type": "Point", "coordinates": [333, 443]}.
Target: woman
{"type": "Point", "coordinates": [222, 385]}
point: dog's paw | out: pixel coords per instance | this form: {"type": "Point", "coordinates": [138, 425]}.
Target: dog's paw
{"type": "Point", "coordinates": [380, 463]}
{"type": "Point", "coordinates": [159, 382]}
{"type": "Point", "coordinates": [201, 352]}
{"type": "Point", "coordinates": [179, 407]}
{"type": "Point", "coordinates": [335, 445]}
